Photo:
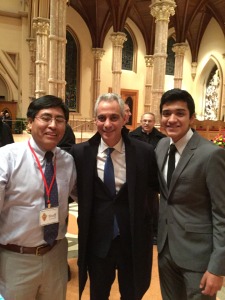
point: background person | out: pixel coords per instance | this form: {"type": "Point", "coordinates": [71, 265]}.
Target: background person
{"type": "Point", "coordinates": [33, 265]}
{"type": "Point", "coordinates": [6, 136]}
{"type": "Point", "coordinates": [191, 235]}
{"type": "Point", "coordinates": [146, 132]}
{"type": "Point", "coordinates": [103, 246]}
{"type": "Point", "coordinates": [8, 120]}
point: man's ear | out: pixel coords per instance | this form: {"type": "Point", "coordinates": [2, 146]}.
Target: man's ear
{"type": "Point", "coordinates": [192, 118]}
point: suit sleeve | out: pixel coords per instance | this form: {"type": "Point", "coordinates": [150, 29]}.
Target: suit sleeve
{"type": "Point", "coordinates": [215, 180]}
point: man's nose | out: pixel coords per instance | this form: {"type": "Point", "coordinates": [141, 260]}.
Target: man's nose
{"type": "Point", "coordinates": [107, 122]}
{"type": "Point", "coordinates": [172, 118]}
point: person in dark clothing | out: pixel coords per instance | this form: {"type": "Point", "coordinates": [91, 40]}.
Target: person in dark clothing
{"type": "Point", "coordinates": [68, 139]}
{"type": "Point", "coordinates": [66, 143]}
{"type": "Point", "coordinates": [149, 134]}
{"type": "Point", "coordinates": [115, 174]}
{"type": "Point", "coordinates": [6, 136]}
{"type": "Point", "coordinates": [8, 120]}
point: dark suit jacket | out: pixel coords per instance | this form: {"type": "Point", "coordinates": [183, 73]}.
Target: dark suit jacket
{"type": "Point", "coordinates": [141, 170]}
{"type": "Point", "coordinates": [192, 211]}
{"type": "Point", "coordinates": [152, 138]}
{"type": "Point", "coordinates": [6, 136]}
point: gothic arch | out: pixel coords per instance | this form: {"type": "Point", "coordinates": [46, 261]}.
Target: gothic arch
{"type": "Point", "coordinates": [6, 92]}
{"type": "Point", "coordinates": [72, 70]}
{"type": "Point", "coordinates": [135, 47]}
{"type": "Point", "coordinates": [211, 81]}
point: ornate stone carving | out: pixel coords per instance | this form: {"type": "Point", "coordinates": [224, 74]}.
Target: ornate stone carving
{"type": "Point", "coordinates": [41, 26]}
{"type": "Point", "coordinates": [118, 38]}
{"type": "Point", "coordinates": [162, 10]}
{"type": "Point", "coordinates": [98, 53]}
{"type": "Point", "coordinates": [149, 60]}
{"type": "Point", "coordinates": [180, 48]}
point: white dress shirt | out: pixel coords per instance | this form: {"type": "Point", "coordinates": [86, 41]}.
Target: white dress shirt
{"type": "Point", "coordinates": [180, 145]}
{"type": "Point", "coordinates": [22, 192]}
{"type": "Point", "coordinates": [118, 159]}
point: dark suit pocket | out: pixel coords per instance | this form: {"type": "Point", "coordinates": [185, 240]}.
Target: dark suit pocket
{"type": "Point", "coordinates": [198, 228]}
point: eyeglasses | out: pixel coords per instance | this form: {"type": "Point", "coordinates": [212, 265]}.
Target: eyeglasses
{"type": "Point", "coordinates": [48, 120]}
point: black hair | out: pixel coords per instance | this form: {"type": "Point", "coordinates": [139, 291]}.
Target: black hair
{"type": "Point", "coordinates": [178, 95]}
{"type": "Point", "coordinates": [46, 101]}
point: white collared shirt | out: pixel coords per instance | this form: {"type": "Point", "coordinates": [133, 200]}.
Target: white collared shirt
{"type": "Point", "coordinates": [22, 192]}
{"type": "Point", "coordinates": [180, 145]}
{"type": "Point", "coordinates": [118, 159]}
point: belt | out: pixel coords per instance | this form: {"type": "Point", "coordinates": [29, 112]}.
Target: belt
{"type": "Point", "coordinates": [40, 250]}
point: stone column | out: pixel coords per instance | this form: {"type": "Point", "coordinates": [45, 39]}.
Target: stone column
{"type": "Point", "coordinates": [41, 26]}
{"type": "Point", "coordinates": [32, 71]}
{"type": "Point", "coordinates": [57, 48]}
{"type": "Point", "coordinates": [149, 61]}
{"type": "Point", "coordinates": [117, 38]}
{"type": "Point", "coordinates": [98, 54]}
{"type": "Point", "coordinates": [179, 50]}
{"type": "Point", "coordinates": [161, 10]}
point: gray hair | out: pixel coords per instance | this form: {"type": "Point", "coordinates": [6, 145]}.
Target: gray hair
{"type": "Point", "coordinates": [109, 97]}
{"type": "Point", "coordinates": [147, 113]}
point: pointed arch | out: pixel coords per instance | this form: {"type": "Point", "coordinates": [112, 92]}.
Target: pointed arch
{"type": "Point", "coordinates": [211, 80]}
{"type": "Point", "coordinates": [129, 53]}
{"type": "Point", "coordinates": [72, 70]}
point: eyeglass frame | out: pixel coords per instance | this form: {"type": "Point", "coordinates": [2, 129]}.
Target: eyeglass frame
{"type": "Point", "coordinates": [47, 119]}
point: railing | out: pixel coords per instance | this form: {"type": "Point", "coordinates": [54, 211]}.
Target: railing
{"type": "Point", "coordinates": [17, 126]}
{"type": "Point", "coordinates": [83, 129]}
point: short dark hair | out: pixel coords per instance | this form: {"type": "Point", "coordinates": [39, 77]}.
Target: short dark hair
{"type": "Point", "coordinates": [178, 95]}
{"type": "Point", "coordinates": [46, 101]}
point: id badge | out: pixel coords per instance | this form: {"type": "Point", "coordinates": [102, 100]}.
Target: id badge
{"type": "Point", "coordinates": [49, 216]}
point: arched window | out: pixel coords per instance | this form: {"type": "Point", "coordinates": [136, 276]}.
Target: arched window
{"type": "Point", "coordinates": [212, 95]}
{"type": "Point", "coordinates": [128, 53]}
{"type": "Point", "coordinates": [170, 62]}
{"type": "Point", "coordinates": [72, 72]}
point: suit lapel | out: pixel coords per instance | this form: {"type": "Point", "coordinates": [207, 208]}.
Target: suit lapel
{"type": "Point", "coordinates": [184, 159]}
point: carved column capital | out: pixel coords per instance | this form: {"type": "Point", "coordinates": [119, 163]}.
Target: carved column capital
{"type": "Point", "coordinates": [98, 53]}
{"type": "Point", "coordinates": [32, 44]}
{"type": "Point", "coordinates": [118, 39]}
{"type": "Point", "coordinates": [162, 9]}
{"type": "Point", "coordinates": [41, 25]}
{"type": "Point", "coordinates": [180, 48]}
{"type": "Point", "coordinates": [149, 60]}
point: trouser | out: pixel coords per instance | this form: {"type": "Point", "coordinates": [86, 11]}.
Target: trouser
{"type": "Point", "coordinates": [27, 276]}
{"type": "Point", "coordinates": [102, 273]}
{"type": "Point", "coordinates": [177, 283]}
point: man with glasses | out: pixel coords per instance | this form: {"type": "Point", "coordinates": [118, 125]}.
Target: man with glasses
{"type": "Point", "coordinates": [36, 179]}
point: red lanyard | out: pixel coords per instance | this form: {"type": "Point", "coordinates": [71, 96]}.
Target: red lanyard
{"type": "Point", "coordinates": [47, 188]}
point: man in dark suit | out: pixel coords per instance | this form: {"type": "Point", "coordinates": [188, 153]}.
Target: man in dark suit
{"type": "Point", "coordinates": [191, 233]}
{"type": "Point", "coordinates": [148, 133]}
{"type": "Point", "coordinates": [101, 251]}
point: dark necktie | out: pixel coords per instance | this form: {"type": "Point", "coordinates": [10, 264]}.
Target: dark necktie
{"type": "Point", "coordinates": [51, 230]}
{"type": "Point", "coordinates": [109, 180]}
{"type": "Point", "coordinates": [171, 163]}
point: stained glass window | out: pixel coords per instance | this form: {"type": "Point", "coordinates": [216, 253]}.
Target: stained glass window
{"type": "Point", "coordinates": [170, 62]}
{"type": "Point", "coordinates": [127, 53]}
{"type": "Point", "coordinates": [72, 73]}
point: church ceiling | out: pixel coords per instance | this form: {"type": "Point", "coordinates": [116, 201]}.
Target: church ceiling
{"type": "Point", "coordinates": [189, 22]}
